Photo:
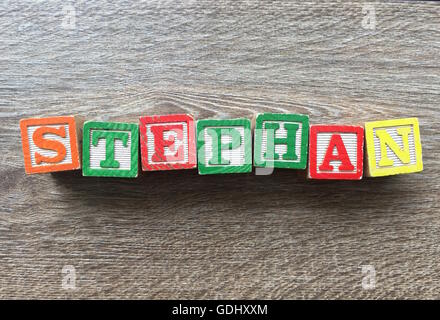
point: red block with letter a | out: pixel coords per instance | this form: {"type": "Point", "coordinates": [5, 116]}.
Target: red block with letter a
{"type": "Point", "coordinates": [168, 142]}
{"type": "Point", "coordinates": [336, 152]}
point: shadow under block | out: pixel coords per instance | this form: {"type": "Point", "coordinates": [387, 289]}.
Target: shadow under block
{"type": "Point", "coordinates": [393, 147]}
{"type": "Point", "coordinates": [110, 149]}
{"type": "Point", "coordinates": [51, 144]}
{"type": "Point", "coordinates": [281, 141]}
{"type": "Point", "coordinates": [224, 146]}
{"type": "Point", "coordinates": [336, 152]}
{"type": "Point", "coordinates": [168, 142]}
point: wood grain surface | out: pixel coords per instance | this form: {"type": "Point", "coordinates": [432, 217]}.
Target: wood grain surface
{"type": "Point", "coordinates": [181, 235]}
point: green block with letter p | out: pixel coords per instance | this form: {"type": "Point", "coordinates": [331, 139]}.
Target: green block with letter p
{"type": "Point", "coordinates": [224, 146]}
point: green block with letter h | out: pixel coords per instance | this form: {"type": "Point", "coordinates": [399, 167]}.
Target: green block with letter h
{"type": "Point", "coordinates": [224, 146]}
{"type": "Point", "coordinates": [110, 149]}
{"type": "Point", "coordinates": [281, 141]}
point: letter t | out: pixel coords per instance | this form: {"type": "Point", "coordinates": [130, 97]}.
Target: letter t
{"type": "Point", "coordinates": [110, 137]}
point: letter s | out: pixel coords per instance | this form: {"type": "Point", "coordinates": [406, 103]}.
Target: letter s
{"type": "Point", "coordinates": [42, 143]}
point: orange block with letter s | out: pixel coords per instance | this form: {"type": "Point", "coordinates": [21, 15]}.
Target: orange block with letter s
{"type": "Point", "coordinates": [51, 144]}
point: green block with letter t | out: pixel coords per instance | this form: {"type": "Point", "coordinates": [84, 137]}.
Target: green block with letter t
{"type": "Point", "coordinates": [110, 149]}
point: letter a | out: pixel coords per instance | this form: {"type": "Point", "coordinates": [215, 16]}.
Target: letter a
{"type": "Point", "coordinates": [342, 155]}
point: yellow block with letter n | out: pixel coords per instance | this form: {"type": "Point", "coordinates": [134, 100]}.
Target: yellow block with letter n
{"type": "Point", "coordinates": [393, 147]}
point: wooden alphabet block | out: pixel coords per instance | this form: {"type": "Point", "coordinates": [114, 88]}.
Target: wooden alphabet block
{"type": "Point", "coordinates": [110, 149]}
{"type": "Point", "coordinates": [224, 146]}
{"type": "Point", "coordinates": [393, 147]}
{"type": "Point", "coordinates": [168, 142]}
{"type": "Point", "coordinates": [50, 144]}
{"type": "Point", "coordinates": [336, 152]}
{"type": "Point", "coordinates": [281, 140]}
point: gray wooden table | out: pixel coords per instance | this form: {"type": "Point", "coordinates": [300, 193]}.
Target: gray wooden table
{"type": "Point", "coordinates": [180, 235]}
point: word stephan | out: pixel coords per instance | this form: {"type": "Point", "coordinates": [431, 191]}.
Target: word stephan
{"type": "Point", "coordinates": [178, 141]}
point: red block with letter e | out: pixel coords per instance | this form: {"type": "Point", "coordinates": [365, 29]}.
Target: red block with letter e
{"type": "Point", "coordinates": [168, 142]}
{"type": "Point", "coordinates": [336, 152]}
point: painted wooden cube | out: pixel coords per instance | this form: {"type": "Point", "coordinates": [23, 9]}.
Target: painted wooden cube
{"type": "Point", "coordinates": [110, 149]}
{"type": "Point", "coordinates": [50, 144]}
{"type": "Point", "coordinates": [281, 140]}
{"type": "Point", "coordinates": [336, 152]}
{"type": "Point", "coordinates": [224, 146]}
{"type": "Point", "coordinates": [393, 147]}
{"type": "Point", "coordinates": [168, 142]}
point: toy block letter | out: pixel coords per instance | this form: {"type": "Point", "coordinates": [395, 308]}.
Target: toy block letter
{"type": "Point", "coordinates": [110, 137]}
{"type": "Point", "coordinates": [281, 140]}
{"type": "Point", "coordinates": [393, 147]}
{"type": "Point", "coordinates": [218, 146]}
{"type": "Point", "coordinates": [110, 149]}
{"type": "Point", "coordinates": [168, 142]}
{"type": "Point", "coordinates": [224, 146]}
{"type": "Point", "coordinates": [50, 144]}
{"type": "Point", "coordinates": [336, 144]}
{"type": "Point", "coordinates": [336, 152]}
{"type": "Point", "coordinates": [43, 143]}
